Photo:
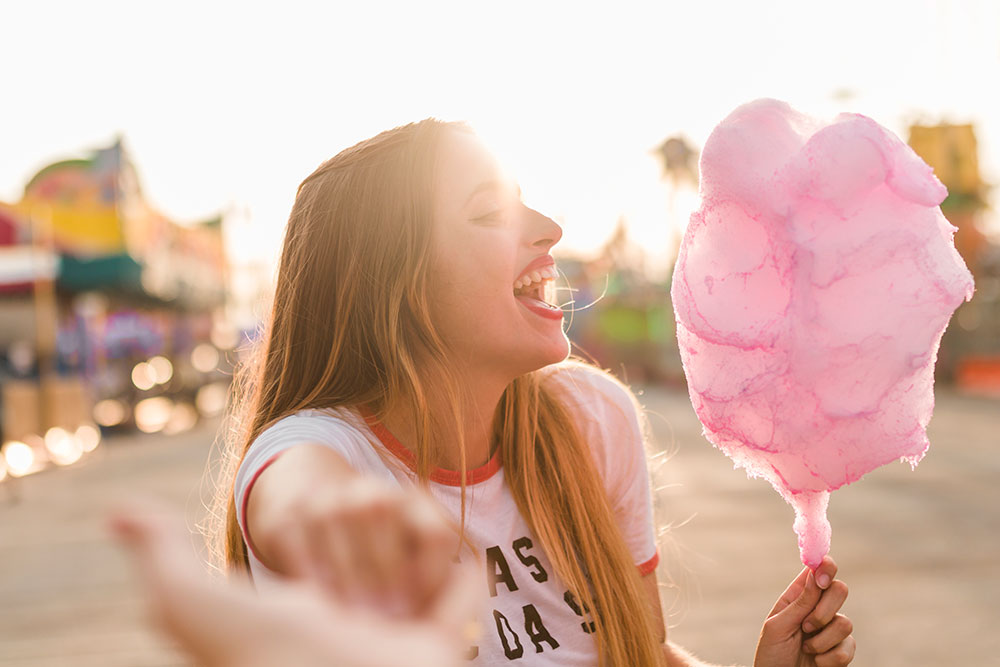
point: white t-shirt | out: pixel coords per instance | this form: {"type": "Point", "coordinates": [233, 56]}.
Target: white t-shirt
{"type": "Point", "coordinates": [529, 615]}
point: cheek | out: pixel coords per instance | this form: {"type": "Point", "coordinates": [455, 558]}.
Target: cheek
{"type": "Point", "coordinates": [470, 276]}
{"type": "Point", "coordinates": [470, 286]}
{"type": "Point", "coordinates": [471, 301]}
{"type": "Point", "coordinates": [462, 289]}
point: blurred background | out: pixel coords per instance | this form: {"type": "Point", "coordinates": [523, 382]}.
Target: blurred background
{"type": "Point", "coordinates": [149, 156]}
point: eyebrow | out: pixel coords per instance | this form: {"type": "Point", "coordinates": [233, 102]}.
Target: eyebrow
{"type": "Point", "coordinates": [491, 184]}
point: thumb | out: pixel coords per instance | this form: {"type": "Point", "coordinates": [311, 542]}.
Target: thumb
{"type": "Point", "coordinates": [790, 617]}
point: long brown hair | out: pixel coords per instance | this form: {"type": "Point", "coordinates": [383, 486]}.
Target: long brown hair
{"type": "Point", "coordinates": [349, 321]}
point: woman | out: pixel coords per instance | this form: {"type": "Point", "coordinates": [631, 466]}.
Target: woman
{"type": "Point", "coordinates": [414, 335]}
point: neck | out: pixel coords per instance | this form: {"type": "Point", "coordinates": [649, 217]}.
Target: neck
{"type": "Point", "coordinates": [479, 393]}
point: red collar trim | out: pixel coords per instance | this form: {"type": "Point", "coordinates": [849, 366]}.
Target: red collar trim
{"type": "Point", "coordinates": [439, 475]}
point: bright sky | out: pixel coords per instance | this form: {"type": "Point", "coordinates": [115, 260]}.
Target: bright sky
{"type": "Point", "coordinates": [230, 105]}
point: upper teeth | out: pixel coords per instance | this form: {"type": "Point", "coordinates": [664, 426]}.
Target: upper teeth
{"type": "Point", "coordinates": [537, 276]}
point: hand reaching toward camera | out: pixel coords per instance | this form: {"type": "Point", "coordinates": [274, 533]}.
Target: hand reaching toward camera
{"type": "Point", "coordinates": [227, 624]}
{"type": "Point", "coordinates": [365, 541]}
{"type": "Point", "coordinates": [805, 628]}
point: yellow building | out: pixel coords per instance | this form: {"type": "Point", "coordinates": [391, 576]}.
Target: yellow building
{"type": "Point", "coordinates": [952, 151]}
{"type": "Point", "coordinates": [92, 212]}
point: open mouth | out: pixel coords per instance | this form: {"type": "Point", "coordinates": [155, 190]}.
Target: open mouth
{"type": "Point", "coordinates": [534, 284]}
{"type": "Point", "coordinates": [536, 291]}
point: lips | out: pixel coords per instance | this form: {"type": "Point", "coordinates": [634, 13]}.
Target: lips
{"type": "Point", "coordinates": [535, 265]}
{"type": "Point", "coordinates": [540, 308]}
{"type": "Point", "coordinates": [530, 287]}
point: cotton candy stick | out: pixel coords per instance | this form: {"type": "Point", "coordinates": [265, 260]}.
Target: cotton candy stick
{"type": "Point", "coordinates": [811, 291]}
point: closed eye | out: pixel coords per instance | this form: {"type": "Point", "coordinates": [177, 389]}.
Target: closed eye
{"type": "Point", "coordinates": [492, 216]}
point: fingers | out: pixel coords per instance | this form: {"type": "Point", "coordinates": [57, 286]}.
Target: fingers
{"type": "Point", "coordinates": [293, 551]}
{"type": "Point", "coordinates": [832, 643]}
{"type": "Point", "coordinates": [372, 544]}
{"type": "Point", "coordinates": [360, 571]}
{"type": "Point", "coordinates": [826, 572]}
{"type": "Point", "coordinates": [834, 633]}
{"type": "Point", "coordinates": [455, 609]}
{"type": "Point", "coordinates": [156, 536]}
{"type": "Point", "coordinates": [826, 608]}
{"type": "Point", "coordinates": [793, 591]}
{"type": "Point", "coordinates": [180, 599]}
{"type": "Point", "coordinates": [225, 625]}
{"type": "Point", "coordinates": [840, 655]}
{"type": "Point", "coordinates": [330, 542]}
{"type": "Point", "coordinates": [386, 540]}
{"type": "Point", "coordinates": [431, 565]}
{"type": "Point", "coordinates": [805, 592]}
{"type": "Point", "coordinates": [788, 621]}
{"type": "Point", "coordinates": [141, 523]}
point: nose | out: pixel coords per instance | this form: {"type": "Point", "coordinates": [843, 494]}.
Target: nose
{"type": "Point", "coordinates": [541, 231]}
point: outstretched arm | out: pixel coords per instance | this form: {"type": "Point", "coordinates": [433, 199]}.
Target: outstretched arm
{"type": "Point", "coordinates": [228, 625]}
{"type": "Point", "coordinates": [309, 514]}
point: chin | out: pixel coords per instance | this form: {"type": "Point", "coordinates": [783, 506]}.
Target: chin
{"type": "Point", "coordinates": [556, 351]}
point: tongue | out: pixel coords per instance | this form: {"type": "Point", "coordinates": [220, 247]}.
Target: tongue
{"type": "Point", "coordinates": [534, 301]}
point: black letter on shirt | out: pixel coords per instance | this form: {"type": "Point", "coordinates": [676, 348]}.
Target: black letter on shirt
{"type": "Point", "coordinates": [536, 629]}
{"type": "Point", "coordinates": [529, 561]}
{"type": "Point", "coordinates": [512, 654]}
{"type": "Point", "coordinates": [570, 599]}
{"type": "Point", "coordinates": [498, 570]}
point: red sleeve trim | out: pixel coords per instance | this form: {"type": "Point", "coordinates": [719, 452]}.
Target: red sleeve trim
{"type": "Point", "coordinates": [650, 565]}
{"type": "Point", "coordinates": [246, 500]}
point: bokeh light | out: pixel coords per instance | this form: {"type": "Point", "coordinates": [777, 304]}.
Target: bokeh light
{"type": "Point", "coordinates": [182, 418]}
{"type": "Point", "coordinates": [109, 412]}
{"type": "Point", "coordinates": [62, 446]}
{"type": "Point", "coordinates": [19, 457]}
{"type": "Point", "coordinates": [88, 436]}
{"type": "Point", "coordinates": [152, 414]}
{"type": "Point", "coordinates": [224, 336]}
{"type": "Point", "coordinates": [205, 357]}
{"type": "Point", "coordinates": [54, 435]}
{"type": "Point", "coordinates": [143, 376]}
{"type": "Point", "coordinates": [211, 399]}
{"type": "Point", "coordinates": [163, 370]}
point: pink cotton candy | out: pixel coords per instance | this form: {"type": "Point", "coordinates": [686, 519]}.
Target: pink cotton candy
{"type": "Point", "coordinates": [811, 292]}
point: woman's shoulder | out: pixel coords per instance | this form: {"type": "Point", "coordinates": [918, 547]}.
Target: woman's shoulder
{"type": "Point", "coordinates": [582, 384]}
{"type": "Point", "coordinates": [585, 380]}
{"type": "Point", "coordinates": [331, 426]}
{"type": "Point", "coordinates": [341, 429]}
{"type": "Point", "coordinates": [609, 418]}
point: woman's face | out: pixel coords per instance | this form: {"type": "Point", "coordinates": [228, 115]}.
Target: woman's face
{"type": "Point", "coordinates": [486, 245]}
